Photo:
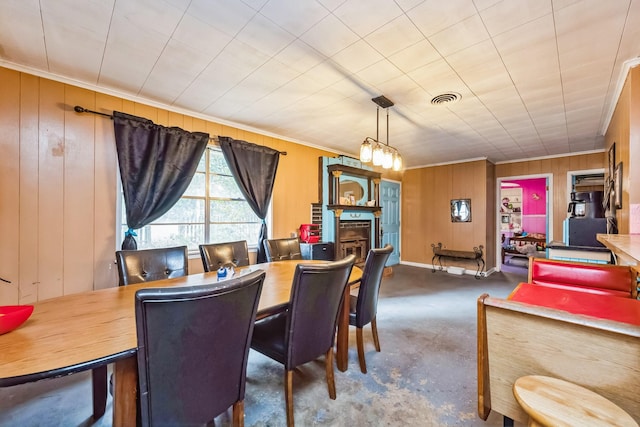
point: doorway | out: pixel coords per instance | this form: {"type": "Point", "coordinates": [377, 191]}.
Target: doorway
{"type": "Point", "coordinates": [523, 219]}
{"type": "Point", "coordinates": [390, 221]}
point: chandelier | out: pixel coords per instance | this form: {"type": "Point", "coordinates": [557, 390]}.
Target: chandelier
{"type": "Point", "coordinates": [375, 151]}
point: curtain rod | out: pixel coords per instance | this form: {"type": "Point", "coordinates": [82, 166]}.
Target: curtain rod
{"type": "Point", "coordinates": [79, 109]}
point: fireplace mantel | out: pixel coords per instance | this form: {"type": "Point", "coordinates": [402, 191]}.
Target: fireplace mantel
{"type": "Point", "coordinates": [334, 171]}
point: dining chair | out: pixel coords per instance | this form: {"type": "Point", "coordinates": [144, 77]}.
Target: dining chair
{"type": "Point", "coordinates": [282, 249]}
{"type": "Point", "coordinates": [137, 266]}
{"type": "Point", "coordinates": [306, 330]}
{"type": "Point", "coordinates": [216, 255]}
{"type": "Point", "coordinates": [193, 346]}
{"type": "Point", "coordinates": [146, 265]}
{"type": "Point", "coordinates": [364, 306]}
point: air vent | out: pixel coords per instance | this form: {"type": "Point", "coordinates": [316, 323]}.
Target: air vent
{"type": "Point", "coordinates": [446, 98]}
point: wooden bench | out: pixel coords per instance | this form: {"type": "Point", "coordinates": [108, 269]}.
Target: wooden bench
{"type": "Point", "coordinates": [517, 339]}
{"type": "Point", "coordinates": [475, 255]}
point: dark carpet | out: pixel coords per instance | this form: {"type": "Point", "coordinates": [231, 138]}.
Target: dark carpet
{"type": "Point", "coordinates": [424, 376]}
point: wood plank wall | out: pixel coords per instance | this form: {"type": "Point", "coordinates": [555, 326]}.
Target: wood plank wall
{"type": "Point", "coordinates": [58, 185]}
{"type": "Point", "coordinates": [624, 131]}
{"type": "Point", "coordinates": [426, 218]}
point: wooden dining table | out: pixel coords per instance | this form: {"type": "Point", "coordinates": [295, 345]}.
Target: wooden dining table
{"type": "Point", "coordinates": [89, 330]}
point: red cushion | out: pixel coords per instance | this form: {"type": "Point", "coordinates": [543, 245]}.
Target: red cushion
{"type": "Point", "coordinates": [586, 289]}
{"type": "Point", "coordinates": [616, 279]}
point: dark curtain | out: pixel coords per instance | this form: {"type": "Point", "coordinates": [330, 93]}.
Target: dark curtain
{"type": "Point", "coordinates": [156, 167]}
{"type": "Point", "coordinates": [254, 169]}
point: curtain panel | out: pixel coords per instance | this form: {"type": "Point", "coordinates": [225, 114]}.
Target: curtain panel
{"type": "Point", "coordinates": [254, 169]}
{"type": "Point", "coordinates": [156, 164]}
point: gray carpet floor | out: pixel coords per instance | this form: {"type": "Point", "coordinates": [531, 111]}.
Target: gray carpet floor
{"type": "Point", "coordinates": [424, 376]}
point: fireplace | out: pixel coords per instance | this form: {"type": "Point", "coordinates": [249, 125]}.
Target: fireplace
{"type": "Point", "coordinates": [355, 238]}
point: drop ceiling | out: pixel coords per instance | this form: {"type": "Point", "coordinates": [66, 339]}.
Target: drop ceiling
{"type": "Point", "coordinates": [535, 78]}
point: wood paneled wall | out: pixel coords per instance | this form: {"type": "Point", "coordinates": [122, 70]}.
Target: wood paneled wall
{"type": "Point", "coordinates": [58, 185]}
{"type": "Point", "coordinates": [426, 210]}
{"type": "Point", "coordinates": [558, 167]}
{"type": "Point", "coordinates": [624, 131]}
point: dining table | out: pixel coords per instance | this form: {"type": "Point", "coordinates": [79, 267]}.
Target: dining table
{"type": "Point", "coordinates": [88, 330]}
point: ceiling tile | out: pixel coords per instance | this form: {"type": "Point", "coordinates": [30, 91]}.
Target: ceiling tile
{"type": "Point", "coordinates": [433, 16]}
{"type": "Point", "coordinates": [329, 36]}
{"type": "Point", "coordinates": [508, 14]}
{"type": "Point", "coordinates": [294, 16]}
{"type": "Point", "coordinates": [356, 14]}
{"type": "Point", "coordinates": [415, 56]}
{"type": "Point", "coordinates": [394, 36]}
{"type": "Point", "coordinates": [264, 36]}
{"type": "Point", "coordinates": [356, 57]}
{"type": "Point", "coordinates": [226, 16]}
{"type": "Point", "coordinates": [466, 33]}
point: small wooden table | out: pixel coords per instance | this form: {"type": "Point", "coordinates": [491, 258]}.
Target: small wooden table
{"type": "Point", "coordinates": [89, 330]}
{"type": "Point", "coordinates": [554, 402]}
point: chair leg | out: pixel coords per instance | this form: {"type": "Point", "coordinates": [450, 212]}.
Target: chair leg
{"type": "Point", "coordinates": [328, 364]}
{"type": "Point", "coordinates": [238, 414]}
{"type": "Point", "coordinates": [99, 389]}
{"type": "Point", "coordinates": [360, 343]}
{"type": "Point", "coordinates": [288, 396]}
{"type": "Point", "coordinates": [374, 329]}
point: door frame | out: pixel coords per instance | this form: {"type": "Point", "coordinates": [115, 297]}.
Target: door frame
{"type": "Point", "coordinates": [571, 175]}
{"type": "Point", "coordinates": [498, 201]}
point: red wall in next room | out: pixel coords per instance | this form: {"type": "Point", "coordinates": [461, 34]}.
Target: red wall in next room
{"type": "Point", "coordinates": [534, 202]}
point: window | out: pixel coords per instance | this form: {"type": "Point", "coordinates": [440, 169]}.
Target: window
{"type": "Point", "coordinates": [211, 210]}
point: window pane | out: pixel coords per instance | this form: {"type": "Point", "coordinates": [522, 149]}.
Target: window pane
{"type": "Point", "coordinates": [184, 211]}
{"type": "Point", "coordinates": [232, 211]}
{"type": "Point", "coordinates": [202, 165]}
{"type": "Point", "coordinates": [224, 186]}
{"type": "Point", "coordinates": [196, 188]}
{"type": "Point", "coordinates": [217, 163]}
{"type": "Point", "coordinates": [231, 232]}
{"type": "Point", "coordinates": [162, 236]}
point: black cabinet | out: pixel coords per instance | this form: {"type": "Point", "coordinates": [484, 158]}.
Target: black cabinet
{"type": "Point", "coordinates": [323, 251]}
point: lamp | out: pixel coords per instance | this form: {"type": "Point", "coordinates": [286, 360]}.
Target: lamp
{"type": "Point", "coordinates": [372, 150]}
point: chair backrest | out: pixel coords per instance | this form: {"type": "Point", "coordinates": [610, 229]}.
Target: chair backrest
{"type": "Point", "coordinates": [316, 295]}
{"type": "Point", "coordinates": [367, 303]}
{"type": "Point", "coordinates": [146, 265]}
{"type": "Point", "coordinates": [216, 255]}
{"type": "Point", "coordinates": [281, 249]}
{"type": "Point", "coordinates": [193, 346]}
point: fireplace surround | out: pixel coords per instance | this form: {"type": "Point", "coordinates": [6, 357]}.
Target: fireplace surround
{"type": "Point", "coordinates": [350, 219]}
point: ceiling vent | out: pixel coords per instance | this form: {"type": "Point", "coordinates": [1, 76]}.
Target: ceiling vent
{"type": "Point", "coordinates": [446, 98]}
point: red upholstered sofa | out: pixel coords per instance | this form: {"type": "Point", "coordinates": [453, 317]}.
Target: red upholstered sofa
{"type": "Point", "coordinates": [602, 279]}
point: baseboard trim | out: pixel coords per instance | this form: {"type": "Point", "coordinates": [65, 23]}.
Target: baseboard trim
{"type": "Point", "coordinates": [470, 272]}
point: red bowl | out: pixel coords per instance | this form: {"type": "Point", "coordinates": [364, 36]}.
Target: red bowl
{"type": "Point", "coordinates": [12, 316]}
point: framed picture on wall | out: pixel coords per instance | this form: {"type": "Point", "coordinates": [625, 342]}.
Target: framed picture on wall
{"type": "Point", "coordinates": [618, 185]}
{"type": "Point", "coordinates": [612, 159]}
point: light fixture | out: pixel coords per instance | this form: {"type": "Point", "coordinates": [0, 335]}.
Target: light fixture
{"type": "Point", "coordinates": [373, 150]}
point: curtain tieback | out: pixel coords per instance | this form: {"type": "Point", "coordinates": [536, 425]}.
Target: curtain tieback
{"type": "Point", "coordinates": [130, 232]}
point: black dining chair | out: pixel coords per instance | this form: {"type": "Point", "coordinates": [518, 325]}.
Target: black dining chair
{"type": "Point", "coordinates": [138, 266]}
{"type": "Point", "coordinates": [193, 346]}
{"type": "Point", "coordinates": [364, 306]}
{"type": "Point", "coordinates": [146, 265]}
{"type": "Point", "coordinates": [216, 255]}
{"type": "Point", "coordinates": [306, 330]}
{"type": "Point", "coordinates": [282, 249]}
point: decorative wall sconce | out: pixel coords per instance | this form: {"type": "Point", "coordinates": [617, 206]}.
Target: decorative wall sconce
{"type": "Point", "coordinates": [375, 151]}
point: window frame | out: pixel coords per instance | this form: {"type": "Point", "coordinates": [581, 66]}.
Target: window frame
{"type": "Point", "coordinates": [193, 252]}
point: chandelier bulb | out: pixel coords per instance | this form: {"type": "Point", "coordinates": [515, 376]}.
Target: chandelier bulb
{"type": "Point", "coordinates": [366, 151]}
